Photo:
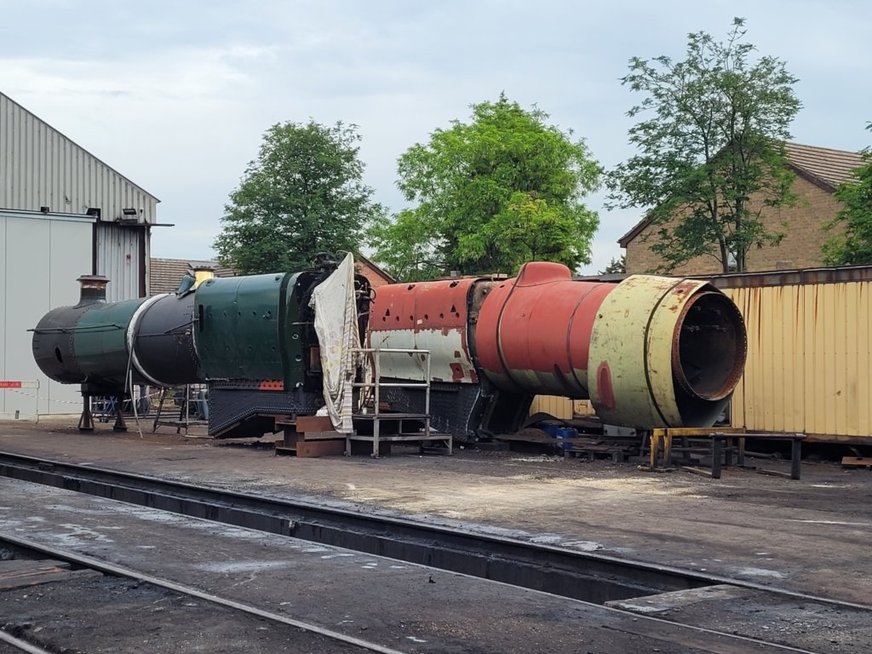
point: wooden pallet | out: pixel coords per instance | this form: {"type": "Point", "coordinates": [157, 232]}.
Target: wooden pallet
{"type": "Point", "coordinates": [595, 449]}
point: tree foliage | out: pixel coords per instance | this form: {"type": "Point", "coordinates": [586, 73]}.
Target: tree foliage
{"type": "Point", "coordinates": [616, 266]}
{"type": "Point", "coordinates": [302, 195]}
{"type": "Point", "coordinates": [489, 195]}
{"type": "Point", "coordinates": [712, 138]}
{"type": "Point", "coordinates": [854, 245]}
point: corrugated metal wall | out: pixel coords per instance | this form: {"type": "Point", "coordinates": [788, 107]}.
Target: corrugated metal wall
{"type": "Point", "coordinates": [809, 366]}
{"type": "Point", "coordinates": [40, 167]}
{"type": "Point", "coordinates": [119, 257]}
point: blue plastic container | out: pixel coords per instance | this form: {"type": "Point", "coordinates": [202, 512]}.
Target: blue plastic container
{"type": "Point", "coordinates": [563, 433]}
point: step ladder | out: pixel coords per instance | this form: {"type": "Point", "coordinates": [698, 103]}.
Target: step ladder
{"type": "Point", "coordinates": [370, 408]}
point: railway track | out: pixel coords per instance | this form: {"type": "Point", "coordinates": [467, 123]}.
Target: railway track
{"type": "Point", "coordinates": [36, 550]}
{"type": "Point", "coordinates": [586, 576]}
{"type": "Point", "coordinates": [577, 575]}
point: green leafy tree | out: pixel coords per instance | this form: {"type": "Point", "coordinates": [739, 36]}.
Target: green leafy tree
{"type": "Point", "coordinates": [302, 195]}
{"type": "Point", "coordinates": [491, 194]}
{"type": "Point", "coordinates": [616, 266]}
{"type": "Point", "coordinates": [854, 245]}
{"type": "Point", "coordinates": [712, 137]}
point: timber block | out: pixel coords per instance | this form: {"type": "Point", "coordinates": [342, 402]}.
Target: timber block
{"type": "Point", "coordinates": [857, 462]}
{"type": "Point", "coordinates": [314, 423]}
{"type": "Point", "coordinates": [322, 435]}
{"type": "Point", "coordinates": [311, 449]}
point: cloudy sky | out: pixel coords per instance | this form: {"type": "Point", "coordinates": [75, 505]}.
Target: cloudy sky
{"type": "Point", "coordinates": [176, 94]}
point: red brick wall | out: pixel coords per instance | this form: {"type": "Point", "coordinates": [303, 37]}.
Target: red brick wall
{"type": "Point", "coordinates": [802, 225]}
{"type": "Point", "coordinates": [375, 276]}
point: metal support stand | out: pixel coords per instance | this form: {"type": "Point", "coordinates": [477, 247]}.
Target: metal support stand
{"type": "Point", "coordinates": [724, 442]}
{"type": "Point", "coordinates": [120, 424]}
{"type": "Point", "coordinates": [796, 456]}
{"type": "Point", "coordinates": [86, 420]}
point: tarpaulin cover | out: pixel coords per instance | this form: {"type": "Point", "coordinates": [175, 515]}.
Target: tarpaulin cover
{"type": "Point", "coordinates": [336, 325]}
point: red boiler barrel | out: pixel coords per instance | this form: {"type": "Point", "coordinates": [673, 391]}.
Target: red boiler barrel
{"type": "Point", "coordinates": [648, 352]}
{"type": "Point", "coordinates": [533, 332]}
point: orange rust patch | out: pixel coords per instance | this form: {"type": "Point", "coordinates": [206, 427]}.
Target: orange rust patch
{"type": "Point", "coordinates": [604, 385]}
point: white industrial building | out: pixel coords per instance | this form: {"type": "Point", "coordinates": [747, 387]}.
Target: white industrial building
{"type": "Point", "coordinates": [63, 213]}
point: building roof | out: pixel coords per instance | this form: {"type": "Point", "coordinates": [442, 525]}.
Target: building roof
{"type": "Point", "coordinates": [165, 274]}
{"type": "Point", "coordinates": [824, 167]}
{"type": "Point", "coordinates": [39, 121]}
{"type": "Point", "coordinates": [833, 167]}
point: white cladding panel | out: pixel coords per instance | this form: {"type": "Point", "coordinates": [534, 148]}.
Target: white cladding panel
{"type": "Point", "coordinates": [40, 259]}
{"type": "Point", "coordinates": [40, 167]}
{"type": "Point", "coordinates": [449, 357]}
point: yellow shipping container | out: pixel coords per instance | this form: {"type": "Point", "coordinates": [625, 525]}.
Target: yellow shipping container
{"type": "Point", "coordinates": [560, 407]}
{"type": "Point", "coordinates": [809, 367]}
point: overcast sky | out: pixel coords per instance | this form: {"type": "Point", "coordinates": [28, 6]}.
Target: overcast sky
{"type": "Point", "coordinates": [176, 94]}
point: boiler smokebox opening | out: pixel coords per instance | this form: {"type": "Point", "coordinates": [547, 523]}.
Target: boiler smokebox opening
{"type": "Point", "coordinates": [93, 289]}
{"type": "Point", "coordinates": [709, 354]}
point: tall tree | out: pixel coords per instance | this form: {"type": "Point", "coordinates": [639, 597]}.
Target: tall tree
{"type": "Point", "coordinates": [303, 195]}
{"type": "Point", "coordinates": [713, 138]}
{"type": "Point", "coordinates": [491, 194]}
{"type": "Point", "coordinates": [854, 245]}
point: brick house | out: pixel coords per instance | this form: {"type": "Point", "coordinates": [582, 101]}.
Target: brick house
{"type": "Point", "coordinates": [371, 270]}
{"type": "Point", "coordinates": [819, 171]}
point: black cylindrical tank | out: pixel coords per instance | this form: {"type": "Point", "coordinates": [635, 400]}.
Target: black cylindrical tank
{"type": "Point", "coordinates": [163, 340]}
{"type": "Point", "coordinates": [86, 343]}
{"type": "Point", "coordinates": [53, 348]}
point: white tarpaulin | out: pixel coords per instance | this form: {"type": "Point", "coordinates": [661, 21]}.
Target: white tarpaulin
{"type": "Point", "coordinates": [336, 325]}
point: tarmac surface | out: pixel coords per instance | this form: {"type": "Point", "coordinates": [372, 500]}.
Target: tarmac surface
{"type": "Point", "coordinates": [810, 536]}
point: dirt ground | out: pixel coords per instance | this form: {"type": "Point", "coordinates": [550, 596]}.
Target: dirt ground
{"type": "Point", "coordinates": [809, 536]}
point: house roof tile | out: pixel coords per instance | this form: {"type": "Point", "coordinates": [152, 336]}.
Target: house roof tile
{"type": "Point", "coordinates": [165, 274]}
{"type": "Point", "coordinates": [829, 165]}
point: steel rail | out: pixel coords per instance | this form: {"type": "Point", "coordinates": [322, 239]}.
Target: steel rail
{"type": "Point", "coordinates": [18, 643]}
{"type": "Point", "coordinates": [130, 573]}
{"type": "Point", "coordinates": [123, 571]}
{"type": "Point", "coordinates": [587, 576]}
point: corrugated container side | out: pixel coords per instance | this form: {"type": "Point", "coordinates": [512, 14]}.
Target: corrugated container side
{"type": "Point", "coordinates": [808, 367]}
{"type": "Point", "coordinates": [559, 407]}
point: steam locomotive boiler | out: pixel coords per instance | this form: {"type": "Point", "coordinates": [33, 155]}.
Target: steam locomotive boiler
{"type": "Point", "coordinates": [250, 338]}
{"type": "Point", "coordinates": [648, 352]}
